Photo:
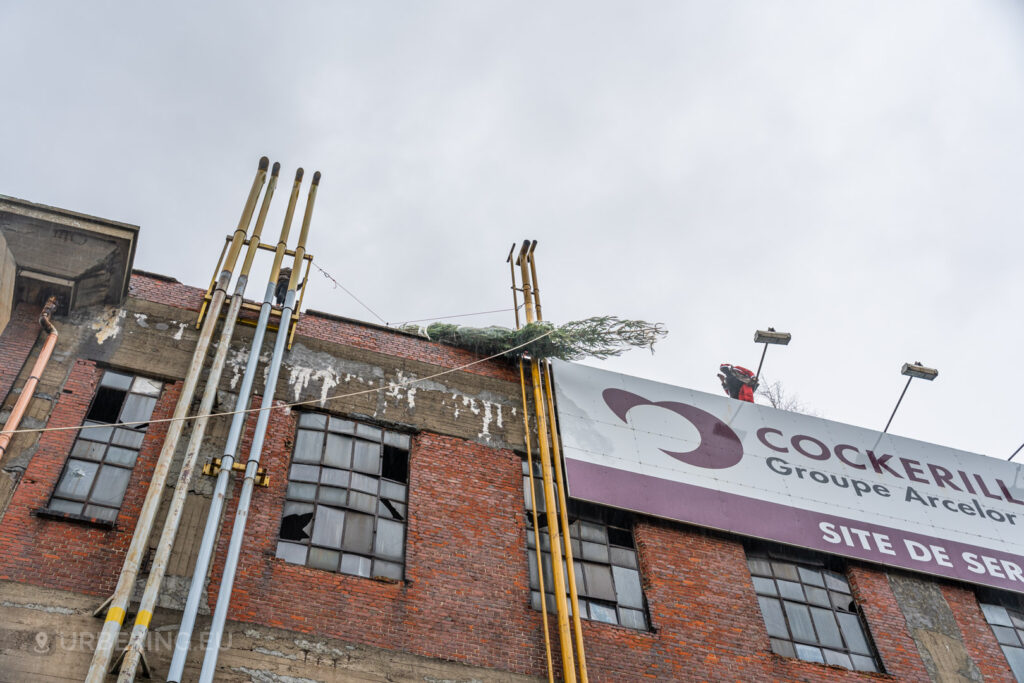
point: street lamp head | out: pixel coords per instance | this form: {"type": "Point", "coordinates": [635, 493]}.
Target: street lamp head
{"type": "Point", "coordinates": [770, 336]}
{"type": "Point", "coordinates": [920, 371]}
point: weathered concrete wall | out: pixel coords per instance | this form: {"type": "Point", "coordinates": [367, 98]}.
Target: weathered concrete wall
{"type": "Point", "coordinates": [8, 270]}
{"type": "Point", "coordinates": [49, 635]}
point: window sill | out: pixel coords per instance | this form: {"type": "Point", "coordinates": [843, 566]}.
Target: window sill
{"type": "Point", "coordinates": [47, 513]}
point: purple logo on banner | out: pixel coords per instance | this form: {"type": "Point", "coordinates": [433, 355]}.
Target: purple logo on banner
{"type": "Point", "coordinates": [719, 446]}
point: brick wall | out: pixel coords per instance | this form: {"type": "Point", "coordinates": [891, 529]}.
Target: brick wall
{"type": "Point", "coordinates": [16, 344]}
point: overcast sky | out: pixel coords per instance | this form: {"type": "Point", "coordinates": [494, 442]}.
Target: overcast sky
{"type": "Point", "coordinates": [849, 172]}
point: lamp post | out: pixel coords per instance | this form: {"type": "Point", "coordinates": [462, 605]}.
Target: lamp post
{"type": "Point", "coordinates": [910, 371]}
{"type": "Point", "coordinates": [766, 337]}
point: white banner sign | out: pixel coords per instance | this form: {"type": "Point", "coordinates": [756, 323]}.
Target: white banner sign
{"type": "Point", "coordinates": [757, 471]}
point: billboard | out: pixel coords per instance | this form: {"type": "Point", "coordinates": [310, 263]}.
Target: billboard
{"type": "Point", "coordinates": [753, 470]}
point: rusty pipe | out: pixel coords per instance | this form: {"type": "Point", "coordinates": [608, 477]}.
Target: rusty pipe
{"type": "Point", "coordinates": [33, 378]}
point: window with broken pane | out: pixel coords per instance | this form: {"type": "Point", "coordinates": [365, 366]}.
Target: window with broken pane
{"type": "Point", "coordinates": [604, 560]}
{"type": "Point", "coordinates": [346, 503]}
{"type": "Point", "coordinates": [810, 614]}
{"type": "Point", "coordinates": [97, 472]}
{"type": "Point", "coordinates": [1008, 626]}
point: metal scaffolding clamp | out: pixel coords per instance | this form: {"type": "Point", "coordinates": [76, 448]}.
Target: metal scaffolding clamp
{"type": "Point", "coordinates": [213, 467]}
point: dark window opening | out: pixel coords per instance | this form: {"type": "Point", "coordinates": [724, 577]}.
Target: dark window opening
{"type": "Point", "coordinates": [396, 464]}
{"type": "Point", "coordinates": [106, 406]}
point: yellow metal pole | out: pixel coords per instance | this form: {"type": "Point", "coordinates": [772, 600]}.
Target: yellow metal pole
{"type": "Point", "coordinates": [560, 487]}
{"type": "Point", "coordinates": [512, 267]}
{"type": "Point", "coordinates": [536, 526]}
{"type": "Point", "coordinates": [564, 637]}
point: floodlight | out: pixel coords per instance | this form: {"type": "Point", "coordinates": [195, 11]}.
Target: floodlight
{"type": "Point", "coordinates": [770, 336]}
{"type": "Point", "coordinates": [918, 370]}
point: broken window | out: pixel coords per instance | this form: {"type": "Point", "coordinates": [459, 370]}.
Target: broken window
{"type": "Point", "coordinates": [97, 472]}
{"type": "Point", "coordinates": [1007, 624]}
{"type": "Point", "coordinates": [346, 502]}
{"type": "Point", "coordinates": [810, 613]}
{"type": "Point", "coordinates": [604, 560]}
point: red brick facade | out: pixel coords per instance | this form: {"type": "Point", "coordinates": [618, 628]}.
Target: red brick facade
{"type": "Point", "coordinates": [16, 344]}
{"type": "Point", "coordinates": [466, 594]}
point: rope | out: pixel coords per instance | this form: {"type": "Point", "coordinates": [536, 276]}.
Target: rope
{"type": "Point", "coordinates": [389, 387]}
{"type": "Point", "coordinates": [344, 289]}
{"type": "Point", "coordinates": [460, 315]}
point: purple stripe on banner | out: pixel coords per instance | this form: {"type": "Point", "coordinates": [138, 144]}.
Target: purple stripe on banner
{"type": "Point", "coordinates": [793, 526]}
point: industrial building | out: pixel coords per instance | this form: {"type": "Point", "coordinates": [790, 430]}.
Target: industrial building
{"type": "Point", "coordinates": [389, 530]}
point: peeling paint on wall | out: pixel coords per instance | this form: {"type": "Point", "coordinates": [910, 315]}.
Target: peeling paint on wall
{"type": "Point", "coordinates": [108, 326]}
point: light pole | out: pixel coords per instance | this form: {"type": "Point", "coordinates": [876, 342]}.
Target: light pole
{"type": "Point", "coordinates": [766, 337]}
{"type": "Point", "coordinates": [911, 370]}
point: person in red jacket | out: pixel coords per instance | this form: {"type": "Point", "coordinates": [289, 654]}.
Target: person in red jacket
{"type": "Point", "coordinates": [738, 382]}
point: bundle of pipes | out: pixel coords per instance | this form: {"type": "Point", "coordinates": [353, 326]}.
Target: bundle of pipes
{"type": "Point", "coordinates": [117, 605]}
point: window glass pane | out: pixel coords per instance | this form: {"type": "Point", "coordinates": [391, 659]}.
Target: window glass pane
{"type": "Point", "coordinates": [365, 502]}
{"type": "Point", "coordinates": [838, 659]}
{"type": "Point", "coordinates": [128, 437]}
{"type": "Point", "coordinates": [339, 451]}
{"type": "Point", "coordinates": [400, 441]}
{"type": "Point", "coordinates": [333, 496]}
{"type": "Point", "coordinates": [773, 617]}
{"type": "Point", "coordinates": [633, 618]}
{"type": "Point", "coordinates": [1017, 618]}
{"type": "Point", "coordinates": [1015, 657]}
{"type": "Point", "coordinates": [791, 590]}
{"type": "Point", "coordinates": [308, 446]}
{"type": "Point", "coordinates": [842, 601]}
{"type": "Point", "coordinates": [121, 456]}
{"type": "Point", "coordinates": [355, 564]}
{"type": "Point", "coordinates": [764, 586]}
{"type": "Point", "coordinates": [783, 647]}
{"type": "Point", "coordinates": [149, 387]}
{"type": "Point", "coordinates": [836, 582]}
{"type": "Point", "coordinates": [99, 512]}
{"type": "Point", "coordinates": [389, 489]}
{"type": "Point", "coordinates": [861, 663]}
{"type": "Point", "coordinates": [361, 482]}
{"type": "Point", "coordinates": [313, 420]}
{"type": "Point", "coordinates": [605, 613]}
{"type": "Point", "coordinates": [332, 477]}
{"type": "Point", "coordinates": [300, 472]}
{"type": "Point", "coordinates": [60, 505]}
{"type": "Point", "coordinates": [390, 540]}
{"type": "Point", "coordinates": [366, 457]}
{"type": "Point", "coordinates": [853, 633]}
{"type": "Point", "coordinates": [825, 625]}
{"type": "Point", "coordinates": [627, 587]}
{"type": "Point", "coordinates": [94, 433]}
{"type": "Point", "coordinates": [1006, 636]}
{"type": "Point", "coordinates": [811, 576]}
{"type": "Point", "coordinates": [296, 521]}
{"type": "Point", "coordinates": [110, 485]}
{"type": "Point", "coordinates": [808, 654]}
{"type": "Point", "coordinates": [391, 510]}
{"type": "Point", "coordinates": [77, 479]}
{"type": "Point", "coordinates": [137, 408]}
{"type": "Point", "coordinates": [597, 533]}
{"type": "Point", "coordinates": [358, 533]}
{"type": "Point", "coordinates": [759, 567]}
{"type": "Point", "coordinates": [392, 570]}
{"type": "Point", "coordinates": [322, 558]}
{"type": "Point", "coordinates": [595, 552]}
{"type": "Point", "coordinates": [89, 450]}
{"type": "Point", "coordinates": [301, 491]}
{"type": "Point", "coordinates": [623, 557]}
{"type": "Point", "coordinates": [800, 622]}
{"type": "Point", "coordinates": [598, 579]}
{"type": "Point", "coordinates": [116, 380]}
{"type": "Point", "coordinates": [994, 614]}
{"type": "Point", "coordinates": [327, 526]}
{"type": "Point", "coordinates": [785, 570]}
{"type": "Point", "coordinates": [368, 432]}
{"type": "Point", "coordinates": [817, 596]}
{"type": "Point", "coordinates": [291, 552]}
{"type": "Point", "coordinates": [342, 426]}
